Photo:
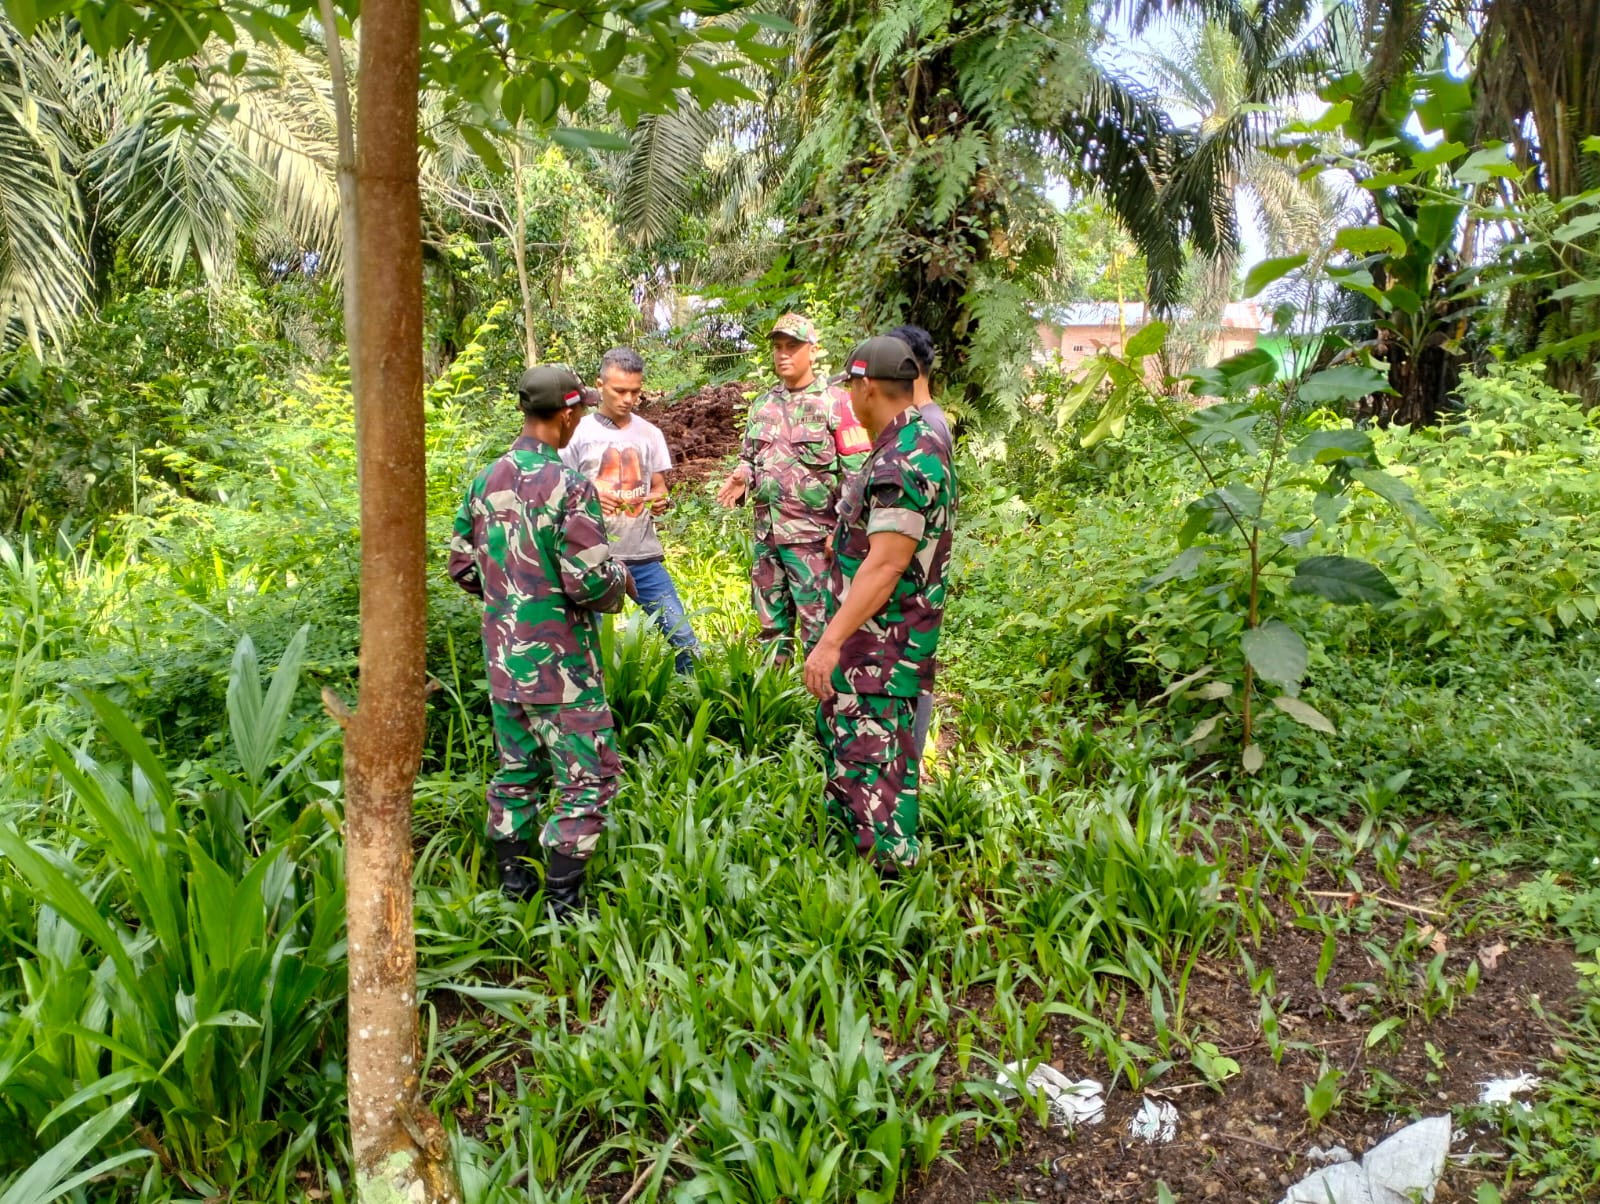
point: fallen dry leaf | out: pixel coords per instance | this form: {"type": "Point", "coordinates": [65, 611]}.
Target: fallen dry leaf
{"type": "Point", "coordinates": [1489, 955]}
{"type": "Point", "coordinates": [1431, 938]}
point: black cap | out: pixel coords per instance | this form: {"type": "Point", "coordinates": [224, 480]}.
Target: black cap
{"type": "Point", "coordinates": [882, 358]}
{"type": "Point", "coordinates": [549, 389]}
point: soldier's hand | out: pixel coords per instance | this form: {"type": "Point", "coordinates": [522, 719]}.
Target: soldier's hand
{"type": "Point", "coordinates": [732, 490]}
{"type": "Point", "coordinates": [827, 546]}
{"type": "Point", "coordinates": [628, 583]}
{"type": "Point", "coordinates": [819, 667]}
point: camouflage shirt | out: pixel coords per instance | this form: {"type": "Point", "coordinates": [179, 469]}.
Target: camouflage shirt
{"type": "Point", "coordinates": [798, 449]}
{"type": "Point", "coordinates": [908, 487]}
{"type": "Point", "coordinates": [529, 541]}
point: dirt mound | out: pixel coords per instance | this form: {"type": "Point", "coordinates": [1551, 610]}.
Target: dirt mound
{"type": "Point", "coordinates": [702, 429]}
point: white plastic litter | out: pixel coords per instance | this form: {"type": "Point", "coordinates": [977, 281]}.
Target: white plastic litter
{"type": "Point", "coordinates": [1404, 1168]}
{"type": "Point", "coordinates": [1156, 1122]}
{"type": "Point", "coordinates": [1334, 1153]}
{"type": "Point", "coordinates": [1072, 1101]}
{"type": "Point", "coordinates": [1503, 1091]}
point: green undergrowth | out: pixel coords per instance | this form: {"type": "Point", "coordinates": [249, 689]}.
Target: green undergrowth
{"type": "Point", "coordinates": [749, 1014]}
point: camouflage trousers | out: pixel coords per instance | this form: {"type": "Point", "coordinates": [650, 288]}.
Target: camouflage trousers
{"type": "Point", "coordinates": [789, 584]}
{"type": "Point", "coordinates": [868, 744]}
{"type": "Point", "coordinates": [570, 748]}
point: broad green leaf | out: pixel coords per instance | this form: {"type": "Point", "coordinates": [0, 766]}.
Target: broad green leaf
{"type": "Point", "coordinates": [1343, 580]}
{"type": "Point", "coordinates": [578, 138]}
{"type": "Point", "coordinates": [1227, 423]}
{"type": "Point", "coordinates": [1584, 288]}
{"type": "Point", "coordinates": [1370, 240]}
{"type": "Point", "coordinates": [773, 22]}
{"type": "Point", "coordinates": [24, 15]}
{"type": "Point", "coordinates": [1324, 447]}
{"type": "Point", "coordinates": [1213, 690]}
{"type": "Point", "coordinates": [1240, 501]}
{"type": "Point", "coordinates": [1343, 382]}
{"type": "Point", "coordinates": [1113, 418]}
{"type": "Point", "coordinates": [1328, 507]}
{"type": "Point", "coordinates": [1181, 684]}
{"type": "Point", "coordinates": [1270, 270]}
{"type": "Point", "coordinates": [1397, 493]}
{"type": "Point", "coordinates": [1203, 729]}
{"type": "Point", "coordinates": [1236, 374]}
{"type": "Point", "coordinates": [1446, 101]}
{"type": "Point", "coordinates": [1436, 155]}
{"type": "Point", "coordinates": [1360, 281]}
{"type": "Point", "coordinates": [1335, 117]}
{"type": "Point", "coordinates": [1390, 179]}
{"type": "Point", "coordinates": [483, 146]}
{"type": "Point", "coordinates": [1094, 373]}
{"type": "Point", "coordinates": [546, 101]}
{"type": "Point", "coordinates": [1402, 299]}
{"type": "Point", "coordinates": [1578, 227]}
{"type": "Point", "coordinates": [1488, 164]}
{"type": "Point", "coordinates": [1253, 758]}
{"type": "Point", "coordinates": [1304, 714]}
{"type": "Point", "coordinates": [1276, 652]}
{"type": "Point", "coordinates": [1382, 1029]}
{"type": "Point", "coordinates": [1183, 565]}
{"type": "Point", "coordinates": [1436, 225]}
{"type": "Point", "coordinates": [1147, 341]}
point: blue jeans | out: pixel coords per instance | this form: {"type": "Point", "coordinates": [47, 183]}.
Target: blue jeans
{"type": "Point", "coordinates": [659, 598]}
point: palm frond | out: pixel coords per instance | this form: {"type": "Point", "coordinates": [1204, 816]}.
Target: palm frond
{"type": "Point", "coordinates": [285, 126]}
{"type": "Point", "coordinates": [668, 150]}
{"type": "Point", "coordinates": [44, 263]}
{"type": "Point", "coordinates": [181, 192]}
{"type": "Point", "coordinates": [1118, 141]}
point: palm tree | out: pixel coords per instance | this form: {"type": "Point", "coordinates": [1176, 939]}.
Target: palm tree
{"type": "Point", "coordinates": [1211, 77]}
{"type": "Point", "coordinates": [97, 151]}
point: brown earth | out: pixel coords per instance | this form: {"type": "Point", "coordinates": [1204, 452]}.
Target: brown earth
{"type": "Point", "coordinates": [1247, 1142]}
{"type": "Point", "coordinates": [702, 429]}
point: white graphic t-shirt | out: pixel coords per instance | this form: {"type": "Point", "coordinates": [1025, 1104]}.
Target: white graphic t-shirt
{"type": "Point", "coordinates": [621, 461]}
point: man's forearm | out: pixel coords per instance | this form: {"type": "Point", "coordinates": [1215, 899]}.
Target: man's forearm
{"type": "Point", "coordinates": [870, 589]}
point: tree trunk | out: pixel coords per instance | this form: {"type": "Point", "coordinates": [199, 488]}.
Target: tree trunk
{"type": "Point", "coordinates": [519, 255]}
{"type": "Point", "coordinates": [401, 1151]}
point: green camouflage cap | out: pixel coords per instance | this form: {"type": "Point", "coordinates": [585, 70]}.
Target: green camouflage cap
{"type": "Point", "coordinates": [796, 326]}
{"type": "Point", "coordinates": [550, 388]}
{"type": "Point", "coordinates": [882, 358]}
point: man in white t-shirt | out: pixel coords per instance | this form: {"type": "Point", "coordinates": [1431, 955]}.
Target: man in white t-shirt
{"type": "Point", "coordinates": [627, 459]}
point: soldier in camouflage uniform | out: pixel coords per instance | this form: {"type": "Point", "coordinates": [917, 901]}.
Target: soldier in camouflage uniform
{"type": "Point", "coordinates": [876, 655]}
{"type": "Point", "coordinates": [529, 541]}
{"type": "Point", "coordinates": [801, 441]}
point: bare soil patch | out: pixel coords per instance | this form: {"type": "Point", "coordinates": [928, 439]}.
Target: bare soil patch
{"type": "Point", "coordinates": [1248, 1141]}
{"type": "Point", "coordinates": [702, 429]}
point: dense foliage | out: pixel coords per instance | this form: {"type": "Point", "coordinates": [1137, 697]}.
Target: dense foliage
{"type": "Point", "coordinates": [1234, 656]}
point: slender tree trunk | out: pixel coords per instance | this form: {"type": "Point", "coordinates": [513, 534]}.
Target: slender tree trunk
{"type": "Point", "coordinates": [519, 254]}
{"type": "Point", "coordinates": [401, 1151]}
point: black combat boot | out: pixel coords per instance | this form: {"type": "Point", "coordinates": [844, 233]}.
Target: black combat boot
{"type": "Point", "coordinates": [563, 885]}
{"type": "Point", "coordinates": [517, 879]}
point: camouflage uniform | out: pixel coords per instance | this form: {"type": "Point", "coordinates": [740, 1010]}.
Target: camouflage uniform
{"type": "Point", "coordinates": [529, 541]}
{"type": "Point", "coordinates": [867, 727]}
{"type": "Point", "coordinates": [799, 447]}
